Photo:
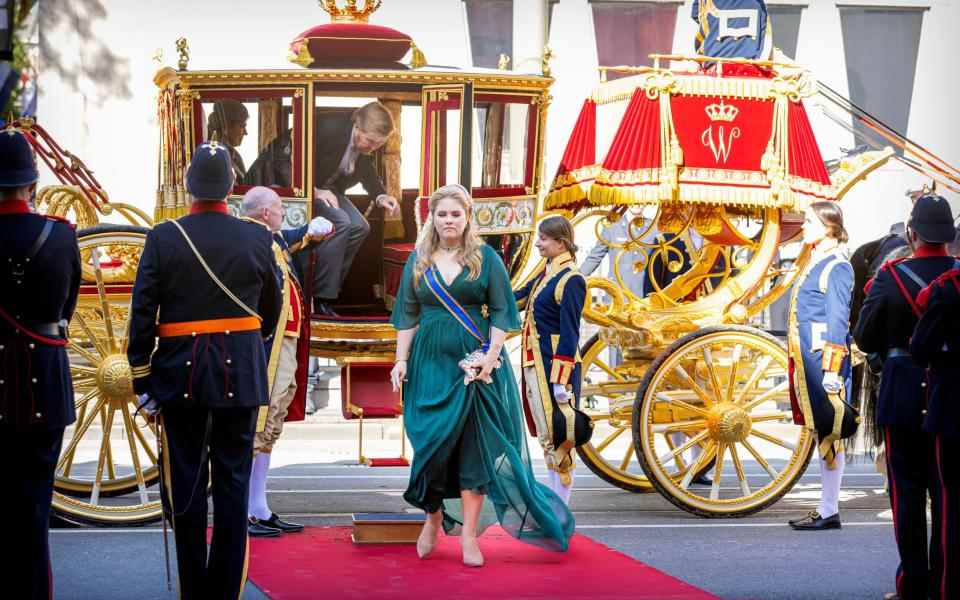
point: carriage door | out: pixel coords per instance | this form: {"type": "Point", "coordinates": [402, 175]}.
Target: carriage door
{"type": "Point", "coordinates": [505, 159]}
{"type": "Point", "coordinates": [447, 134]}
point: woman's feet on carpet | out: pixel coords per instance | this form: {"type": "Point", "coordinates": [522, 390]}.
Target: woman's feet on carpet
{"type": "Point", "coordinates": [428, 537]}
{"type": "Point", "coordinates": [471, 552]}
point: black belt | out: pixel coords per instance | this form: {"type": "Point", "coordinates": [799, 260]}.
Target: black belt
{"type": "Point", "coordinates": [898, 352]}
{"type": "Point", "coordinates": [44, 329]}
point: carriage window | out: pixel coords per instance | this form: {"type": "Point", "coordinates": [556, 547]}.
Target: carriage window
{"type": "Point", "coordinates": [501, 144]}
{"type": "Point", "coordinates": [260, 131]}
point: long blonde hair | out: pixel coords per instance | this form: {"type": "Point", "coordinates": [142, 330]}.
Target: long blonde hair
{"type": "Point", "coordinates": [471, 251]}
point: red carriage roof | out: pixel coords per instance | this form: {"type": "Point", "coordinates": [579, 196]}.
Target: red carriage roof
{"type": "Point", "coordinates": [696, 137]}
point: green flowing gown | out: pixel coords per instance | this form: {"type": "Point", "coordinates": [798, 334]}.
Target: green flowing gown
{"type": "Point", "coordinates": [471, 436]}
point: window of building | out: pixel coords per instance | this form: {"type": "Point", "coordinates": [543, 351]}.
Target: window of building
{"type": "Point", "coordinates": [628, 32]}
{"type": "Point", "coordinates": [786, 27]}
{"type": "Point", "coordinates": [880, 46]}
{"type": "Point", "coordinates": [490, 23]}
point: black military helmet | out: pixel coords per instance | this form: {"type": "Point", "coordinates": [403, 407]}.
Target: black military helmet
{"type": "Point", "coordinates": [210, 175]}
{"type": "Point", "coordinates": [932, 219]}
{"type": "Point", "coordinates": [18, 166]}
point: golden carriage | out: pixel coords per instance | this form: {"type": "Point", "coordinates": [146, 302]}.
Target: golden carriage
{"type": "Point", "coordinates": [682, 367]}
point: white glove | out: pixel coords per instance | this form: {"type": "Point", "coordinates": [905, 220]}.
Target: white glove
{"type": "Point", "coordinates": [147, 405]}
{"type": "Point", "coordinates": [319, 228]}
{"type": "Point", "coordinates": [831, 382]}
{"type": "Point", "coordinates": [560, 393]}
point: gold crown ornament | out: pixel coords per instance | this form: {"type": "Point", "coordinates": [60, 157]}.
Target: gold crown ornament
{"type": "Point", "coordinates": [722, 112]}
{"type": "Point", "coordinates": [350, 13]}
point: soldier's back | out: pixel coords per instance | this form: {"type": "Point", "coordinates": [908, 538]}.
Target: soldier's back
{"type": "Point", "coordinates": [210, 361]}
{"type": "Point", "coordinates": [40, 276]}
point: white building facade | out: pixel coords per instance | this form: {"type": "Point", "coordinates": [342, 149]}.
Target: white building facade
{"type": "Point", "coordinates": [894, 58]}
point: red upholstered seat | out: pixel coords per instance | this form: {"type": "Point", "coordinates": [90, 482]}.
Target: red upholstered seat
{"type": "Point", "coordinates": [367, 386]}
{"type": "Point", "coordinates": [394, 258]}
{"type": "Point", "coordinates": [352, 44]}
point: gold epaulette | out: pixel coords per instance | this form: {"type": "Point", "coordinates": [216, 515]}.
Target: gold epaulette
{"type": "Point", "coordinates": [558, 291]}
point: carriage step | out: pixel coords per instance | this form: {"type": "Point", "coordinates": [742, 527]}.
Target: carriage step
{"type": "Point", "coordinates": [400, 461]}
{"type": "Point", "coordinates": [386, 528]}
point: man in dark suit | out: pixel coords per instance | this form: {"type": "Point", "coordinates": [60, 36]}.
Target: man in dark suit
{"type": "Point", "coordinates": [887, 320]}
{"type": "Point", "coordinates": [206, 287]}
{"type": "Point", "coordinates": [40, 279]}
{"type": "Point", "coordinates": [343, 157]}
{"type": "Point", "coordinates": [936, 345]}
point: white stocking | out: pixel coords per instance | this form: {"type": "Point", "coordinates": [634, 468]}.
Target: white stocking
{"type": "Point", "coordinates": [258, 487]}
{"type": "Point", "coordinates": [557, 486]}
{"type": "Point", "coordinates": [830, 480]}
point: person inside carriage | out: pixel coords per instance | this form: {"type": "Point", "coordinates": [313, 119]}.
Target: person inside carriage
{"type": "Point", "coordinates": [227, 124]}
{"type": "Point", "coordinates": [343, 157]}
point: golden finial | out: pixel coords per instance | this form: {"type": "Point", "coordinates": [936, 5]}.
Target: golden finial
{"type": "Point", "coordinates": [302, 57]}
{"type": "Point", "coordinates": [504, 62]}
{"type": "Point", "coordinates": [417, 59]}
{"type": "Point", "coordinates": [350, 13]}
{"type": "Point", "coordinates": [545, 62]}
{"type": "Point", "coordinates": [184, 51]}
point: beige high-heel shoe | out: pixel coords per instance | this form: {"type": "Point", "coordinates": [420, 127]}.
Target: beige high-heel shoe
{"type": "Point", "coordinates": [472, 557]}
{"type": "Point", "coordinates": [427, 541]}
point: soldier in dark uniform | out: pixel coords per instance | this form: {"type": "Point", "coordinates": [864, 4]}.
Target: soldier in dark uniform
{"type": "Point", "coordinates": [206, 287]}
{"type": "Point", "coordinates": [40, 278]}
{"type": "Point", "coordinates": [936, 344]}
{"type": "Point", "coordinates": [887, 319]}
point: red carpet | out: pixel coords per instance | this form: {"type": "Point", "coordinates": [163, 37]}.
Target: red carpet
{"type": "Point", "coordinates": [321, 563]}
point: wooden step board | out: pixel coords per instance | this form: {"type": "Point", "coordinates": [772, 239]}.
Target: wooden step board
{"type": "Point", "coordinates": [386, 528]}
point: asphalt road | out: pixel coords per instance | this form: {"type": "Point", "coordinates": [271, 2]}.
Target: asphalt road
{"type": "Point", "coordinates": [754, 557]}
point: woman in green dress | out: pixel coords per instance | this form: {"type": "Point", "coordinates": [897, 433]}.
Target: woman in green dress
{"type": "Point", "coordinates": [471, 465]}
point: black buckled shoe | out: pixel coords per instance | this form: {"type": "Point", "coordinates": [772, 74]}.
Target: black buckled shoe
{"type": "Point", "coordinates": [284, 526]}
{"type": "Point", "coordinates": [814, 522]}
{"type": "Point", "coordinates": [258, 528]}
{"type": "Point", "coordinates": [809, 515]}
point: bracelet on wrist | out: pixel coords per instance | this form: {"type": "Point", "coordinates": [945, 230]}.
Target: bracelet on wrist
{"type": "Point", "coordinates": [399, 360]}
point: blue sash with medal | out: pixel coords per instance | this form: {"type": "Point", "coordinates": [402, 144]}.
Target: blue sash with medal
{"type": "Point", "coordinates": [432, 277]}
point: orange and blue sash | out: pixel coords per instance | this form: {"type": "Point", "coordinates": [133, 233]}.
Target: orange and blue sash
{"type": "Point", "coordinates": [432, 277]}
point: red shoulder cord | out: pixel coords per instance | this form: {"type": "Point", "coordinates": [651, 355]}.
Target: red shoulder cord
{"type": "Point", "coordinates": [34, 336]}
{"type": "Point", "coordinates": [903, 291]}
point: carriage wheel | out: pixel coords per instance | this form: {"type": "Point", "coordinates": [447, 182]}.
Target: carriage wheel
{"type": "Point", "coordinates": [720, 394]}
{"type": "Point", "coordinates": [108, 463]}
{"type": "Point", "coordinates": [606, 394]}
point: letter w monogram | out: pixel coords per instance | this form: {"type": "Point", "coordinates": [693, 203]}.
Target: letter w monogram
{"type": "Point", "coordinates": [720, 148]}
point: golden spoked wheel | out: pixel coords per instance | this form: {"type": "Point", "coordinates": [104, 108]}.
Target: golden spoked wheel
{"type": "Point", "coordinates": [606, 394]}
{"type": "Point", "coordinates": [721, 396]}
{"type": "Point", "coordinates": [108, 463]}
